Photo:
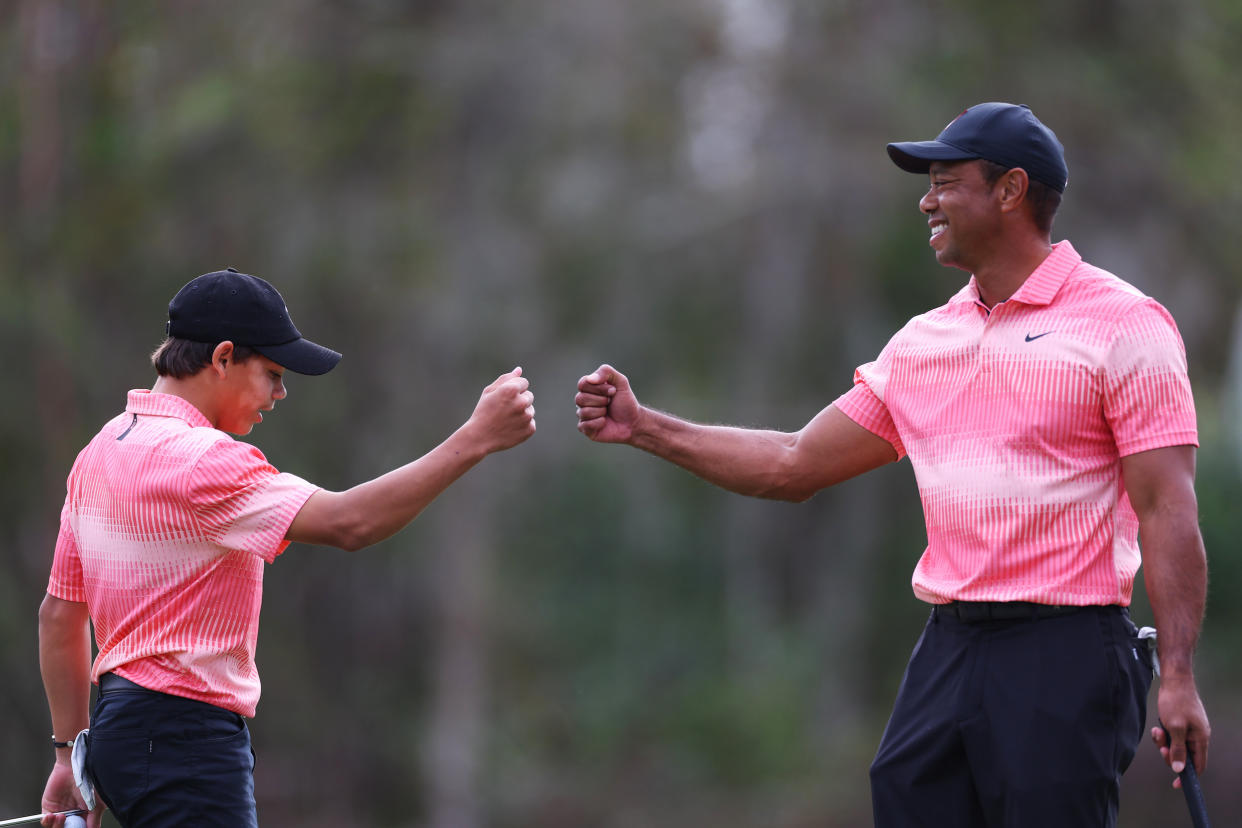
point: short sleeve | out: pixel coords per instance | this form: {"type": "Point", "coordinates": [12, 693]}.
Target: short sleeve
{"type": "Point", "coordinates": [1147, 397]}
{"type": "Point", "coordinates": [864, 405]}
{"type": "Point", "coordinates": [65, 581]}
{"type": "Point", "coordinates": [243, 502]}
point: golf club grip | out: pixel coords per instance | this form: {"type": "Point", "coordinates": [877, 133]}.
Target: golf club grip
{"type": "Point", "coordinates": [1190, 787]}
{"type": "Point", "coordinates": [1194, 795]}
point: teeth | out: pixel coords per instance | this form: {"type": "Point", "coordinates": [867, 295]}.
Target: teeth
{"type": "Point", "coordinates": [938, 229]}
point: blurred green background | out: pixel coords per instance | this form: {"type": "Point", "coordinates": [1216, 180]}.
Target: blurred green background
{"type": "Point", "coordinates": [693, 190]}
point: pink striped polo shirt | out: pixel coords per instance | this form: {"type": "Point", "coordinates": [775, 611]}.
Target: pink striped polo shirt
{"type": "Point", "coordinates": [1015, 422]}
{"type": "Point", "coordinates": [166, 526]}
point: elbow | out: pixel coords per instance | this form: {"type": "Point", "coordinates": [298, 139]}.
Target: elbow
{"type": "Point", "coordinates": [353, 540]}
{"type": "Point", "coordinates": [787, 483]}
{"type": "Point", "coordinates": [53, 611]}
{"type": "Point", "coordinates": [352, 533]}
{"type": "Point", "coordinates": [800, 495]}
{"type": "Point", "coordinates": [59, 618]}
{"type": "Point", "coordinates": [793, 476]}
{"type": "Point", "coordinates": [359, 530]}
{"type": "Point", "coordinates": [339, 533]}
{"type": "Point", "coordinates": [800, 479]}
{"type": "Point", "coordinates": [791, 492]}
{"type": "Point", "coordinates": [335, 519]}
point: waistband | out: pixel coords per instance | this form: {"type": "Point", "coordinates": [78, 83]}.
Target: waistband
{"type": "Point", "coordinates": [975, 612]}
{"type": "Point", "coordinates": [112, 683]}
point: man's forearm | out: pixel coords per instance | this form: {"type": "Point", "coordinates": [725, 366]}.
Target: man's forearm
{"type": "Point", "coordinates": [1175, 566]}
{"type": "Point", "coordinates": [747, 461]}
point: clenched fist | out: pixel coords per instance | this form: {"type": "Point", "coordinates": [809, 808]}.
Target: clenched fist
{"type": "Point", "coordinates": [607, 408]}
{"type": "Point", "coordinates": [505, 414]}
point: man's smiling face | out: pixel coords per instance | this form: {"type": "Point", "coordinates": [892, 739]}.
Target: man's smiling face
{"type": "Point", "coordinates": [962, 212]}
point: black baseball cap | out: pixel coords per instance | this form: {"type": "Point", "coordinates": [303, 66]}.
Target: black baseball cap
{"type": "Point", "coordinates": [1003, 133]}
{"type": "Point", "coordinates": [245, 310]}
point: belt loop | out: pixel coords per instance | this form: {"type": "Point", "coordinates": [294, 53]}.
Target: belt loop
{"type": "Point", "coordinates": [935, 613]}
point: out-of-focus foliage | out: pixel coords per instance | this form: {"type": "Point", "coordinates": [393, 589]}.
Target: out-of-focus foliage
{"type": "Point", "coordinates": [696, 192]}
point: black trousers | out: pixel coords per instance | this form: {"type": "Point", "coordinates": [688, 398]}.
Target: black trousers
{"type": "Point", "coordinates": [1024, 722]}
{"type": "Point", "coordinates": [159, 760]}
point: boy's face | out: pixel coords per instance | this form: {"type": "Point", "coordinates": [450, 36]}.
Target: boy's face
{"type": "Point", "coordinates": [250, 388]}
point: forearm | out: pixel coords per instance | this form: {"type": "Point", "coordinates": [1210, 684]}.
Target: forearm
{"type": "Point", "coordinates": [751, 462]}
{"type": "Point", "coordinates": [377, 509]}
{"type": "Point", "coordinates": [65, 664]}
{"type": "Point", "coordinates": [391, 501]}
{"type": "Point", "coordinates": [1175, 567]}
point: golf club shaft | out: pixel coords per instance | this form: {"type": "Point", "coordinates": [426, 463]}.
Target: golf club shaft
{"type": "Point", "coordinates": [35, 818]}
{"type": "Point", "coordinates": [1194, 795]}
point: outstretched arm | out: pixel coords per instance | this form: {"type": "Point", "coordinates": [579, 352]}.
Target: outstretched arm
{"type": "Point", "coordinates": [761, 463]}
{"type": "Point", "coordinates": [1161, 488]}
{"type": "Point", "coordinates": [377, 509]}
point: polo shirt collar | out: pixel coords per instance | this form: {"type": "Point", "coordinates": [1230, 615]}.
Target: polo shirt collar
{"type": "Point", "coordinates": [142, 401]}
{"type": "Point", "coordinates": [1041, 287]}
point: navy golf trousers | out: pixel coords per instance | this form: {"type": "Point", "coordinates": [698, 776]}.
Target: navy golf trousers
{"type": "Point", "coordinates": [1013, 723]}
{"type": "Point", "coordinates": [161, 760]}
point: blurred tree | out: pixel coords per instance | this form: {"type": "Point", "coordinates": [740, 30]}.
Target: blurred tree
{"type": "Point", "coordinates": [694, 191]}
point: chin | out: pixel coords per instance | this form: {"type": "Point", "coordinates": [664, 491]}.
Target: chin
{"type": "Point", "coordinates": [947, 259]}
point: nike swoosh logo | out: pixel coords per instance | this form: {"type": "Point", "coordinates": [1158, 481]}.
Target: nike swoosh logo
{"type": "Point", "coordinates": [1030, 338]}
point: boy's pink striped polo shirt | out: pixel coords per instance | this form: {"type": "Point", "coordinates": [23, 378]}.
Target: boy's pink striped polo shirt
{"type": "Point", "coordinates": [166, 526]}
{"type": "Point", "coordinates": [1015, 422]}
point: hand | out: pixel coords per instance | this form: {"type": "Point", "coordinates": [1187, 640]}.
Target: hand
{"type": "Point", "coordinates": [505, 414]}
{"type": "Point", "coordinates": [61, 794]}
{"type": "Point", "coordinates": [607, 408]}
{"type": "Point", "coordinates": [1182, 714]}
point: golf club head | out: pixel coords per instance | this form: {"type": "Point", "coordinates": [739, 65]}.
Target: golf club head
{"type": "Point", "coordinates": [80, 746]}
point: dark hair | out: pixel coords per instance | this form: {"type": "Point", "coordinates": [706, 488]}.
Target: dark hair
{"type": "Point", "coordinates": [1044, 200]}
{"type": "Point", "coordinates": [181, 358]}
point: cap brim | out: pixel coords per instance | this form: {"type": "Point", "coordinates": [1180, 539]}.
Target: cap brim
{"type": "Point", "coordinates": [917, 156]}
{"type": "Point", "coordinates": [301, 356]}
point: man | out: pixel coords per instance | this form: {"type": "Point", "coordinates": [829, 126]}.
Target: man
{"type": "Point", "coordinates": [166, 527]}
{"type": "Point", "coordinates": [1048, 417]}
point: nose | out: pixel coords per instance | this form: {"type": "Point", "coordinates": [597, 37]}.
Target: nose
{"type": "Point", "coordinates": [928, 202]}
{"type": "Point", "coordinates": [279, 393]}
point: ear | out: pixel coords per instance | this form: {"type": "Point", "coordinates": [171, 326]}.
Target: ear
{"type": "Point", "coordinates": [1011, 189]}
{"type": "Point", "coordinates": [221, 358]}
